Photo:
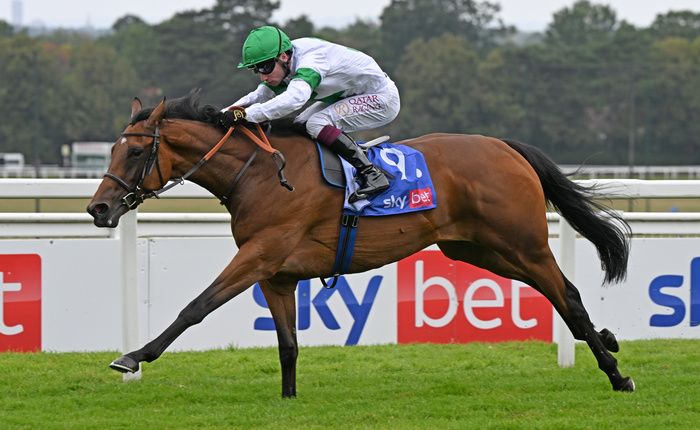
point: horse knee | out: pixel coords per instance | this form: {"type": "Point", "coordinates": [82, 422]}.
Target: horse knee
{"type": "Point", "coordinates": [193, 314]}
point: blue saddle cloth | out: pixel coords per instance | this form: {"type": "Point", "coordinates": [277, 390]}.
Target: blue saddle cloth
{"type": "Point", "coordinates": [410, 190]}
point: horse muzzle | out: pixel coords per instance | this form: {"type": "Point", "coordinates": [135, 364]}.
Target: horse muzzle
{"type": "Point", "coordinates": [105, 215]}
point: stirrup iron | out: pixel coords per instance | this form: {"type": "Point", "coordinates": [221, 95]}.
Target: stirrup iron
{"type": "Point", "coordinates": [374, 142]}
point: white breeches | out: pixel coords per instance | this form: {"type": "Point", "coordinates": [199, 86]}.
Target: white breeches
{"type": "Point", "coordinates": [355, 113]}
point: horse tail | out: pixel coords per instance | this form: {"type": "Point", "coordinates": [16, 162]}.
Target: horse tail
{"type": "Point", "coordinates": [576, 203]}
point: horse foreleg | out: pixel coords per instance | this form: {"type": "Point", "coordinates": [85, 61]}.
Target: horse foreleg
{"type": "Point", "coordinates": [282, 303]}
{"type": "Point", "coordinates": [243, 271]}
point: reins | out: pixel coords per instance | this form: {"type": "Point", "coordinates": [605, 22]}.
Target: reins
{"type": "Point", "coordinates": [264, 143]}
{"type": "Point", "coordinates": [133, 199]}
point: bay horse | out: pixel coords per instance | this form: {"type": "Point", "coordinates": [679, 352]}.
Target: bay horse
{"type": "Point", "coordinates": [492, 200]}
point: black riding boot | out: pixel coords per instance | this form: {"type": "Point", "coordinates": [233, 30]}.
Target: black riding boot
{"type": "Point", "coordinates": [371, 179]}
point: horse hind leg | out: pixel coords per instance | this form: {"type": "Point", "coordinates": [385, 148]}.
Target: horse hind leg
{"type": "Point", "coordinates": [576, 304]}
{"type": "Point", "coordinates": [546, 276]}
{"type": "Point", "coordinates": [540, 271]}
{"type": "Point", "coordinates": [574, 313]}
{"type": "Point", "coordinates": [600, 343]}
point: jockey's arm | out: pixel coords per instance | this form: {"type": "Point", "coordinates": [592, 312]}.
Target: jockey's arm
{"type": "Point", "coordinates": [261, 94]}
{"type": "Point", "coordinates": [297, 94]}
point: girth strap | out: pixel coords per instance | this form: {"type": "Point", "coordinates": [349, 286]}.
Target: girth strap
{"type": "Point", "coordinates": [345, 248]}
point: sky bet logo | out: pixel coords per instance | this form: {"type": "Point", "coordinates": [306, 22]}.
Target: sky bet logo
{"type": "Point", "coordinates": [20, 302]}
{"type": "Point", "coordinates": [395, 202]}
{"type": "Point", "coordinates": [417, 198]}
{"type": "Point", "coordinates": [305, 303]}
{"type": "Point", "coordinates": [444, 301]}
{"type": "Point", "coordinates": [676, 304]}
{"type": "Point", "coordinates": [421, 197]}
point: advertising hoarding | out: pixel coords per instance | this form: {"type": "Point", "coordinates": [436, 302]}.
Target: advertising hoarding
{"type": "Point", "coordinates": [75, 283]}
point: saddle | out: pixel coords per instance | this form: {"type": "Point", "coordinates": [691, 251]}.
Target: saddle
{"type": "Point", "coordinates": [331, 166]}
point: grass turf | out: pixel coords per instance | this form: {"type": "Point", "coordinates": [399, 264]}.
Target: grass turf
{"type": "Point", "coordinates": [480, 386]}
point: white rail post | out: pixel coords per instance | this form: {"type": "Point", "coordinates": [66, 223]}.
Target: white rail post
{"type": "Point", "coordinates": [566, 349]}
{"type": "Point", "coordinates": [126, 234]}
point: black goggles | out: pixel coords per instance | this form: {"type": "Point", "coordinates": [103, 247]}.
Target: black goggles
{"type": "Point", "coordinates": [266, 67]}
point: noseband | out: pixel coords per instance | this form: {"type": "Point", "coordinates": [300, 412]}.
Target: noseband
{"type": "Point", "coordinates": [136, 194]}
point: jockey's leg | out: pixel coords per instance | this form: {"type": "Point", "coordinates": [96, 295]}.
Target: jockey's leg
{"type": "Point", "coordinates": [307, 113]}
{"type": "Point", "coordinates": [355, 113]}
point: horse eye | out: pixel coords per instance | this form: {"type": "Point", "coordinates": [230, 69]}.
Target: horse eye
{"type": "Point", "coordinates": [135, 152]}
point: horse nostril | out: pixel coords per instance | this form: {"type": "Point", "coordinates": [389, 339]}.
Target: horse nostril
{"type": "Point", "coordinates": [98, 209]}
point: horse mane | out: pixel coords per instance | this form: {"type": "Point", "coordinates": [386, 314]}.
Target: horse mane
{"type": "Point", "coordinates": [187, 107]}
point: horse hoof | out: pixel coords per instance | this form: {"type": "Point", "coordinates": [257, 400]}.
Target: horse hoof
{"type": "Point", "coordinates": [124, 364]}
{"type": "Point", "coordinates": [609, 340]}
{"type": "Point", "coordinates": [627, 385]}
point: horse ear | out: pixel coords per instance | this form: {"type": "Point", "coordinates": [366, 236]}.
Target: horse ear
{"type": "Point", "coordinates": [135, 106]}
{"type": "Point", "coordinates": [157, 114]}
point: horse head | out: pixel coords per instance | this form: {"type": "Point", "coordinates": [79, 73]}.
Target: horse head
{"type": "Point", "coordinates": [139, 167]}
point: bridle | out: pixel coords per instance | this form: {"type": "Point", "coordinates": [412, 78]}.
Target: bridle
{"type": "Point", "coordinates": [136, 194]}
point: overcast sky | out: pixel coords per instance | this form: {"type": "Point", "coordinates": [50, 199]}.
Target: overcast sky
{"type": "Point", "coordinates": [524, 14]}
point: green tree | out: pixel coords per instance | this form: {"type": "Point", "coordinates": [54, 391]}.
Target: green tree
{"type": "Point", "coordinates": [438, 84]}
{"type": "Point", "coordinates": [672, 101]}
{"type": "Point", "coordinates": [405, 20]}
{"type": "Point", "coordinates": [137, 44]}
{"type": "Point", "coordinates": [500, 112]}
{"type": "Point", "coordinates": [6, 29]}
{"type": "Point", "coordinates": [298, 27]}
{"type": "Point", "coordinates": [127, 21]}
{"type": "Point", "coordinates": [582, 24]}
{"type": "Point", "coordinates": [199, 48]}
{"type": "Point", "coordinates": [684, 24]}
{"type": "Point", "coordinates": [97, 85]}
{"type": "Point", "coordinates": [28, 97]}
{"type": "Point", "coordinates": [361, 35]}
{"type": "Point", "coordinates": [590, 67]}
{"type": "Point", "coordinates": [54, 93]}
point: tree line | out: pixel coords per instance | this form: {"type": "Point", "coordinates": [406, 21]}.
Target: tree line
{"type": "Point", "coordinates": [590, 88]}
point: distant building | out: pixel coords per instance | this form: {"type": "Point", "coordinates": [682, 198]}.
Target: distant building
{"type": "Point", "coordinates": [90, 155]}
{"type": "Point", "coordinates": [12, 160]}
{"type": "Point", "coordinates": [17, 13]}
{"type": "Point", "coordinates": [11, 164]}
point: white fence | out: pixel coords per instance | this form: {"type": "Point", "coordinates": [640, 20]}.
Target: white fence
{"type": "Point", "coordinates": [166, 225]}
{"type": "Point", "coordinates": [51, 171]}
{"type": "Point", "coordinates": [585, 171]}
{"type": "Point", "coordinates": [642, 172]}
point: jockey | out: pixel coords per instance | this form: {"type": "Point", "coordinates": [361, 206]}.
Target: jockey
{"type": "Point", "coordinates": [350, 92]}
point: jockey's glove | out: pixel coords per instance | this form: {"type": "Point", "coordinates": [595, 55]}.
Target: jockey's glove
{"type": "Point", "coordinates": [229, 118]}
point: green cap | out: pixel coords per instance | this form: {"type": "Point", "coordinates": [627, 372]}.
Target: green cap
{"type": "Point", "coordinates": [264, 43]}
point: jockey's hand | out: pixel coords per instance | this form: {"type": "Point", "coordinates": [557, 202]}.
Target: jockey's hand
{"type": "Point", "coordinates": [232, 116]}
